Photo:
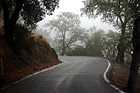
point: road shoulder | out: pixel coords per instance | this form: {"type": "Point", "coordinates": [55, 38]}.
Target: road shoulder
{"type": "Point", "coordinates": [118, 75]}
{"type": "Point", "coordinates": [108, 76]}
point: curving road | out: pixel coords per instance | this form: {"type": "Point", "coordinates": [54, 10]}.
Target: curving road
{"type": "Point", "coordinates": [75, 75]}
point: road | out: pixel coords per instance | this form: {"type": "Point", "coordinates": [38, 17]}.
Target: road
{"type": "Point", "coordinates": [75, 75]}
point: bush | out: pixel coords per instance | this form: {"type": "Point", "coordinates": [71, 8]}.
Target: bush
{"type": "Point", "coordinates": [78, 51]}
{"type": "Point", "coordinates": [20, 37]}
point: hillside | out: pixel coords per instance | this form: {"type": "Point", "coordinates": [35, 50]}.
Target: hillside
{"type": "Point", "coordinates": [39, 55]}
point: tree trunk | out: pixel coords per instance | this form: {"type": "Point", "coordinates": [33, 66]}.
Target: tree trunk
{"type": "Point", "coordinates": [9, 23]}
{"type": "Point", "coordinates": [62, 54]}
{"type": "Point", "coordinates": [6, 19]}
{"type": "Point", "coordinates": [135, 58]}
{"type": "Point", "coordinates": [121, 45]}
{"type": "Point", "coordinates": [113, 54]}
{"type": "Point", "coordinates": [63, 50]}
{"type": "Point", "coordinates": [120, 56]}
{"type": "Point", "coordinates": [63, 43]}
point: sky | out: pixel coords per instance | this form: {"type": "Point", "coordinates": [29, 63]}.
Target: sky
{"type": "Point", "coordinates": [75, 6]}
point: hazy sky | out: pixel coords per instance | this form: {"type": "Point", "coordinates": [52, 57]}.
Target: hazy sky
{"type": "Point", "coordinates": [74, 6]}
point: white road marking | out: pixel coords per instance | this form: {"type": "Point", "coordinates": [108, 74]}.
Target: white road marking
{"type": "Point", "coordinates": [106, 79]}
{"type": "Point", "coordinates": [104, 76]}
{"type": "Point", "coordinates": [32, 75]}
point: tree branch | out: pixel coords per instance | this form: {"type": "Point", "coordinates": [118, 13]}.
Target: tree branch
{"type": "Point", "coordinates": [5, 12]}
{"type": "Point", "coordinates": [15, 14]}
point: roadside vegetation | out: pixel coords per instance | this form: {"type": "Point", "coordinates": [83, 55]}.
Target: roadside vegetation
{"type": "Point", "coordinates": [124, 14]}
{"type": "Point", "coordinates": [21, 51]}
{"type": "Point", "coordinates": [123, 45]}
{"type": "Point", "coordinates": [19, 19]}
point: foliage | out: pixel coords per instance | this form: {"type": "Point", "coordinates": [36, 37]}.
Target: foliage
{"type": "Point", "coordinates": [134, 69]}
{"type": "Point", "coordinates": [21, 38]}
{"type": "Point", "coordinates": [67, 29]}
{"type": "Point", "coordinates": [101, 43]}
{"type": "Point", "coordinates": [116, 12]}
{"type": "Point", "coordinates": [112, 11]}
{"type": "Point", "coordinates": [32, 11]}
{"type": "Point", "coordinates": [126, 11]}
{"type": "Point", "coordinates": [0, 7]}
{"type": "Point", "coordinates": [97, 43]}
{"type": "Point", "coordinates": [110, 44]}
{"type": "Point", "coordinates": [135, 7]}
{"type": "Point", "coordinates": [0, 12]}
{"type": "Point", "coordinates": [94, 45]}
{"type": "Point", "coordinates": [29, 11]}
{"type": "Point", "coordinates": [77, 51]}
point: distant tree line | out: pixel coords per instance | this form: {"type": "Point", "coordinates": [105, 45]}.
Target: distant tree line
{"type": "Point", "coordinates": [124, 15]}
{"type": "Point", "coordinates": [98, 43]}
{"type": "Point", "coordinates": [71, 38]}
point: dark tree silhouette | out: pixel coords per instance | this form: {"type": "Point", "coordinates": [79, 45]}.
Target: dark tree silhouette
{"type": "Point", "coordinates": [135, 7]}
{"type": "Point", "coordinates": [136, 57]}
{"type": "Point", "coordinates": [115, 12]}
{"type": "Point", "coordinates": [30, 11]}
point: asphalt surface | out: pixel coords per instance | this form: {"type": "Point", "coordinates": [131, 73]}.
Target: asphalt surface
{"type": "Point", "coordinates": [75, 75]}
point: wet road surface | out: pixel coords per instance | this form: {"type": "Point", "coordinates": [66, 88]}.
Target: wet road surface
{"type": "Point", "coordinates": [74, 75]}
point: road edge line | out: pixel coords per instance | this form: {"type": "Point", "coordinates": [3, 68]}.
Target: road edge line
{"type": "Point", "coordinates": [28, 76]}
{"type": "Point", "coordinates": [107, 80]}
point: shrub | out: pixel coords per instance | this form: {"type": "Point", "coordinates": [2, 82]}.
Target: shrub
{"type": "Point", "coordinates": [20, 37]}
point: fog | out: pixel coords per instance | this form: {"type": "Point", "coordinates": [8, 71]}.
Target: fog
{"type": "Point", "coordinates": [75, 6]}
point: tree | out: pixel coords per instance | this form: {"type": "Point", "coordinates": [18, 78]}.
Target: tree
{"type": "Point", "coordinates": [131, 11]}
{"type": "Point", "coordinates": [135, 7]}
{"type": "Point", "coordinates": [135, 59]}
{"type": "Point", "coordinates": [67, 29]}
{"type": "Point", "coordinates": [30, 11]}
{"type": "Point", "coordinates": [1, 14]}
{"type": "Point", "coordinates": [77, 51]}
{"type": "Point", "coordinates": [0, 11]}
{"type": "Point", "coordinates": [115, 12]}
{"type": "Point", "coordinates": [110, 44]}
{"type": "Point", "coordinates": [95, 42]}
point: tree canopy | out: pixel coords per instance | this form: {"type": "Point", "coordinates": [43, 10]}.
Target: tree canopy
{"type": "Point", "coordinates": [97, 42]}
{"type": "Point", "coordinates": [126, 15]}
{"type": "Point", "coordinates": [116, 12]}
{"type": "Point", "coordinates": [67, 29]}
{"type": "Point", "coordinates": [29, 11]}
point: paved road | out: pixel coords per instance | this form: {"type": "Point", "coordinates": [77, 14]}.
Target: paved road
{"type": "Point", "coordinates": [75, 75]}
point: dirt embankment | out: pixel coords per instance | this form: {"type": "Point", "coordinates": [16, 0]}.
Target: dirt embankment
{"type": "Point", "coordinates": [39, 55]}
